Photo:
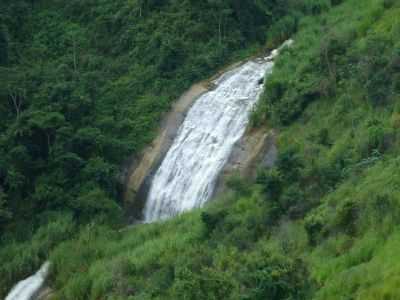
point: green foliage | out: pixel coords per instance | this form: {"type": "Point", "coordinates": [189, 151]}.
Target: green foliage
{"type": "Point", "coordinates": [345, 56]}
{"type": "Point", "coordinates": [167, 261]}
{"type": "Point", "coordinates": [3, 47]}
{"type": "Point", "coordinates": [20, 260]}
{"type": "Point", "coordinates": [238, 184]}
{"type": "Point", "coordinates": [322, 224]}
{"type": "Point", "coordinates": [272, 183]}
{"type": "Point", "coordinates": [84, 87]}
{"type": "Point", "coordinates": [211, 220]}
{"type": "Point", "coordinates": [4, 213]}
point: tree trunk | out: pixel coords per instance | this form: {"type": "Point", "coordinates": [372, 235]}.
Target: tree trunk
{"type": "Point", "coordinates": [16, 102]}
{"type": "Point", "coordinates": [219, 31]}
{"type": "Point", "coordinates": [75, 59]}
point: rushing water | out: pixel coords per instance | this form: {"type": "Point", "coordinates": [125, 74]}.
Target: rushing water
{"type": "Point", "coordinates": [27, 289]}
{"type": "Point", "coordinates": [218, 119]}
{"type": "Point", "coordinates": [187, 175]}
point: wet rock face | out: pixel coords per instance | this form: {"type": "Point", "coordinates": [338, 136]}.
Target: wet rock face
{"type": "Point", "coordinates": [137, 173]}
{"type": "Point", "coordinates": [166, 171]}
{"type": "Point", "coordinates": [217, 120]}
{"type": "Point", "coordinates": [45, 294]}
{"type": "Point", "coordinates": [269, 154]}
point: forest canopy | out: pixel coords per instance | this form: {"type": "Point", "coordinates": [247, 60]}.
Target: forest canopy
{"type": "Point", "coordinates": [84, 85]}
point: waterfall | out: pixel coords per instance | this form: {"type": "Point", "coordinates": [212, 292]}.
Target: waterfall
{"type": "Point", "coordinates": [204, 142]}
{"type": "Point", "coordinates": [28, 288]}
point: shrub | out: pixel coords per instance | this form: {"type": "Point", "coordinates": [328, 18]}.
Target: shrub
{"type": "Point", "coordinates": [314, 225]}
{"type": "Point", "coordinates": [294, 202]}
{"type": "Point", "coordinates": [20, 260]}
{"type": "Point", "coordinates": [212, 220]}
{"type": "Point", "coordinates": [388, 3]}
{"type": "Point", "coordinates": [289, 164]}
{"type": "Point", "coordinates": [316, 7]}
{"type": "Point", "coordinates": [323, 137]}
{"type": "Point", "coordinates": [272, 183]}
{"type": "Point", "coordinates": [374, 68]}
{"type": "Point", "coordinates": [282, 30]}
{"type": "Point", "coordinates": [336, 2]}
{"type": "Point", "coordinates": [277, 277]}
{"type": "Point", "coordinates": [238, 184]}
{"type": "Point", "coordinates": [346, 216]}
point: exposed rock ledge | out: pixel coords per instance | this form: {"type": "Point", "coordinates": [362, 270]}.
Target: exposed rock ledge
{"type": "Point", "coordinates": [138, 174]}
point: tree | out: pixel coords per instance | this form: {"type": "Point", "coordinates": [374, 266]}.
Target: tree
{"type": "Point", "coordinates": [45, 124]}
{"type": "Point", "coordinates": [221, 10]}
{"type": "Point", "coordinates": [93, 202]}
{"type": "Point", "coordinates": [251, 16]}
{"type": "Point", "coordinates": [289, 164]}
{"type": "Point", "coordinates": [3, 47]}
{"type": "Point", "coordinates": [272, 183]}
{"type": "Point", "coordinates": [5, 214]}
{"type": "Point", "coordinates": [14, 87]}
{"type": "Point", "coordinates": [74, 36]}
{"type": "Point", "coordinates": [101, 172]}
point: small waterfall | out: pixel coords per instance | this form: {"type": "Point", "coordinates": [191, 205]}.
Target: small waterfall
{"type": "Point", "coordinates": [28, 288]}
{"type": "Point", "coordinates": [187, 175]}
{"type": "Point", "coordinates": [218, 119]}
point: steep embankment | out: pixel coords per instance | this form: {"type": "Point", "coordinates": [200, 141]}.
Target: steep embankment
{"type": "Point", "coordinates": [83, 87]}
{"type": "Point", "coordinates": [322, 224]}
{"type": "Point", "coordinates": [212, 141]}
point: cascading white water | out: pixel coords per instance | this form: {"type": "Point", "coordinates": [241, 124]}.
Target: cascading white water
{"type": "Point", "coordinates": [218, 119]}
{"type": "Point", "coordinates": [27, 289]}
{"type": "Point", "coordinates": [187, 175]}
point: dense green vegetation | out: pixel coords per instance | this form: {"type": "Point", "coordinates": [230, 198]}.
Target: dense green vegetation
{"type": "Point", "coordinates": [322, 224]}
{"type": "Point", "coordinates": [83, 87]}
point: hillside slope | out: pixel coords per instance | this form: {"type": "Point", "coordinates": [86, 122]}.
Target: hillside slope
{"type": "Point", "coordinates": [84, 85]}
{"type": "Point", "coordinates": [322, 224]}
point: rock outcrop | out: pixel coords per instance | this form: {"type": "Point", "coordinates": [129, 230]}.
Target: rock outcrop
{"type": "Point", "coordinates": [257, 149]}
{"type": "Point", "coordinates": [140, 171]}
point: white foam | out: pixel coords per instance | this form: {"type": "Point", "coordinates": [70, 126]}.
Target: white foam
{"type": "Point", "coordinates": [28, 288]}
{"type": "Point", "coordinates": [218, 119]}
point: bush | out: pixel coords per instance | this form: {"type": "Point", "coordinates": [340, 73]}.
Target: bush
{"type": "Point", "coordinates": [388, 3]}
{"type": "Point", "coordinates": [212, 220]}
{"type": "Point", "coordinates": [316, 7]}
{"type": "Point", "coordinates": [346, 216]}
{"type": "Point", "coordinates": [94, 204]}
{"type": "Point", "coordinates": [238, 184]}
{"type": "Point", "coordinates": [20, 260]}
{"type": "Point", "coordinates": [294, 202]}
{"type": "Point", "coordinates": [323, 137]}
{"type": "Point", "coordinates": [272, 183]}
{"type": "Point", "coordinates": [375, 69]}
{"type": "Point", "coordinates": [289, 164]}
{"type": "Point", "coordinates": [282, 30]}
{"type": "Point", "coordinates": [314, 225]}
